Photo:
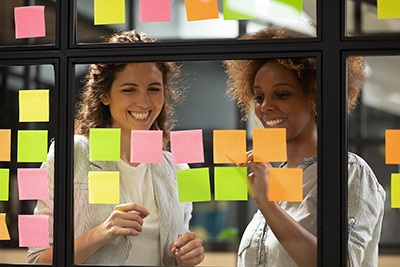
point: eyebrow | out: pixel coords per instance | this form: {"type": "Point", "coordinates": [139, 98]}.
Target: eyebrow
{"type": "Point", "coordinates": [134, 84]}
{"type": "Point", "coordinates": [275, 85]}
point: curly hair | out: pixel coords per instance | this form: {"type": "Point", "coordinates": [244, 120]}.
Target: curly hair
{"type": "Point", "coordinates": [242, 72]}
{"type": "Point", "coordinates": [92, 113]}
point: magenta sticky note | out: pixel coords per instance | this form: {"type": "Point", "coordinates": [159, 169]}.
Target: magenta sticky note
{"type": "Point", "coordinates": [155, 10]}
{"type": "Point", "coordinates": [146, 146]}
{"type": "Point", "coordinates": [29, 22]}
{"type": "Point", "coordinates": [187, 146]}
{"type": "Point", "coordinates": [33, 230]}
{"type": "Point", "coordinates": [32, 184]}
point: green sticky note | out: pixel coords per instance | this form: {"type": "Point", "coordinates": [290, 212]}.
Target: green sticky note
{"type": "Point", "coordinates": [32, 146]}
{"type": "Point", "coordinates": [388, 9]}
{"type": "Point", "coordinates": [109, 12]}
{"type": "Point", "coordinates": [104, 187]}
{"type": "Point", "coordinates": [230, 183]}
{"type": "Point", "coordinates": [239, 9]}
{"type": "Point", "coordinates": [285, 9]}
{"type": "Point", "coordinates": [194, 185]}
{"type": "Point", "coordinates": [395, 190]}
{"type": "Point", "coordinates": [34, 105]}
{"type": "Point", "coordinates": [105, 144]}
{"type": "Point", "coordinates": [4, 184]}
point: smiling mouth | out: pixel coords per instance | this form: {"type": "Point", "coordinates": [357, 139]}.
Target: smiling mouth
{"type": "Point", "coordinates": [139, 116]}
{"type": "Point", "coordinates": [273, 123]}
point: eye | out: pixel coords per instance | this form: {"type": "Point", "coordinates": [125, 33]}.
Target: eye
{"type": "Point", "coordinates": [154, 89]}
{"type": "Point", "coordinates": [281, 95]}
{"type": "Point", "coordinates": [258, 98]}
{"type": "Point", "coordinates": [128, 90]}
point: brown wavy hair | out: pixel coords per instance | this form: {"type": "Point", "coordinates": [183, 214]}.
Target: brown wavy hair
{"type": "Point", "coordinates": [242, 72]}
{"type": "Point", "coordinates": [92, 113]}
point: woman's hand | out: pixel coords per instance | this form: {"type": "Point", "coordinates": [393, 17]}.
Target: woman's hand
{"type": "Point", "coordinates": [188, 249]}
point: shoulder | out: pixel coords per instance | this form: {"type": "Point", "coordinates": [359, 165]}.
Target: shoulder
{"type": "Point", "coordinates": [81, 145]}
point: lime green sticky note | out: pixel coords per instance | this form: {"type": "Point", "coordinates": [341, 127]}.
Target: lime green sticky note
{"type": "Point", "coordinates": [105, 144]}
{"type": "Point", "coordinates": [32, 146]}
{"type": "Point", "coordinates": [194, 185]}
{"type": "Point", "coordinates": [230, 183]}
{"type": "Point", "coordinates": [285, 9]}
{"type": "Point", "coordinates": [104, 187]}
{"type": "Point", "coordinates": [239, 9]}
{"type": "Point", "coordinates": [33, 105]}
{"type": "Point", "coordinates": [395, 190]}
{"type": "Point", "coordinates": [4, 184]}
{"type": "Point", "coordinates": [388, 9]}
{"type": "Point", "coordinates": [109, 12]}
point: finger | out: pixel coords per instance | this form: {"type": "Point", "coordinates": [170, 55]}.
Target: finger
{"type": "Point", "coordinates": [194, 256]}
{"type": "Point", "coordinates": [133, 207]}
{"type": "Point", "coordinates": [189, 246]}
{"type": "Point", "coordinates": [194, 261]}
{"type": "Point", "coordinates": [183, 239]}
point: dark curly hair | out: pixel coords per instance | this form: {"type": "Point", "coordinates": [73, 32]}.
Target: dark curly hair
{"type": "Point", "coordinates": [92, 113]}
{"type": "Point", "coordinates": [242, 72]}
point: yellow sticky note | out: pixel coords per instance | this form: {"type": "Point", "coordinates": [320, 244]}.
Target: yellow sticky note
{"type": "Point", "coordinates": [392, 146]}
{"type": "Point", "coordinates": [269, 145]}
{"type": "Point", "coordinates": [388, 9]}
{"type": "Point", "coordinates": [286, 184]}
{"type": "Point", "coordinates": [5, 145]}
{"type": "Point", "coordinates": [104, 187]}
{"type": "Point", "coordinates": [395, 190]}
{"type": "Point", "coordinates": [4, 234]}
{"type": "Point", "coordinates": [109, 12]}
{"type": "Point", "coordinates": [33, 105]}
{"type": "Point", "coordinates": [229, 146]}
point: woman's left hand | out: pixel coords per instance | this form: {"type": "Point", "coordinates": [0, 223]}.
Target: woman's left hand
{"type": "Point", "coordinates": [188, 249]}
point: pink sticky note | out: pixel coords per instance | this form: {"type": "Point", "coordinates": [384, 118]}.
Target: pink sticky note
{"type": "Point", "coordinates": [33, 230]}
{"type": "Point", "coordinates": [29, 22]}
{"type": "Point", "coordinates": [155, 10]}
{"type": "Point", "coordinates": [187, 146]}
{"type": "Point", "coordinates": [146, 146]}
{"type": "Point", "coordinates": [32, 184]}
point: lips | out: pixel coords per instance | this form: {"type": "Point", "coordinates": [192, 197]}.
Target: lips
{"type": "Point", "coordinates": [139, 115]}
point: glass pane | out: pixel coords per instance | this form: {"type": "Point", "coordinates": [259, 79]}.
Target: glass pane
{"type": "Point", "coordinates": [180, 29]}
{"type": "Point", "coordinates": [27, 22]}
{"type": "Point", "coordinates": [28, 112]}
{"type": "Point", "coordinates": [377, 112]}
{"type": "Point", "coordinates": [362, 19]}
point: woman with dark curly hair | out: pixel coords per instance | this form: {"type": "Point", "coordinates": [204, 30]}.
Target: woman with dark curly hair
{"type": "Point", "coordinates": [282, 94]}
{"type": "Point", "coordinates": [150, 226]}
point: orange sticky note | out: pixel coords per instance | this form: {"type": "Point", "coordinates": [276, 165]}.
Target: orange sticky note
{"type": "Point", "coordinates": [5, 145]}
{"type": "Point", "coordinates": [229, 146]}
{"type": "Point", "coordinates": [286, 184]}
{"type": "Point", "coordinates": [4, 234]}
{"type": "Point", "coordinates": [201, 9]}
{"type": "Point", "coordinates": [269, 145]}
{"type": "Point", "coordinates": [392, 146]}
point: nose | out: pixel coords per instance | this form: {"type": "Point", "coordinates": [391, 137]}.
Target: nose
{"type": "Point", "coordinates": [143, 100]}
{"type": "Point", "coordinates": [267, 105]}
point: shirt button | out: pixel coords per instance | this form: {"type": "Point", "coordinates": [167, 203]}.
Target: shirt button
{"type": "Point", "coordinates": [352, 221]}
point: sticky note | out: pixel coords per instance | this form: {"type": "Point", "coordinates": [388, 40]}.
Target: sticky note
{"type": "Point", "coordinates": [105, 144]}
{"type": "Point", "coordinates": [5, 145]}
{"type": "Point", "coordinates": [29, 22]}
{"type": "Point", "coordinates": [269, 145]}
{"type": "Point", "coordinates": [395, 190]}
{"type": "Point", "coordinates": [4, 184]}
{"type": "Point", "coordinates": [4, 234]}
{"type": "Point", "coordinates": [392, 146]}
{"type": "Point", "coordinates": [194, 185]}
{"type": "Point", "coordinates": [104, 187]}
{"type": "Point", "coordinates": [230, 183]}
{"type": "Point", "coordinates": [146, 146]}
{"type": "Point", "coordinates": [388, 9]}
{"type": "Point", "coordinates": [33, 230]}
{"type": "Point", "coordinates": [33, 105]}
{"type": "Point", "coordinates": [32, 184]}
{"type": "Point", "coordinates": [286, 184]}
{"type": "Point", "coordinates": [229, 146]}
{"type": "Point", "coordinates": [109, 12]}
{"type": "Point", "coordinates": [285, 9]}
{"type": "Point", "coordinates": [32, 146]}
{"type": "Point", "coordinates": [155, 10]}
{"type": "Point", "coordinates": [201, 9]}
{"type": "Point", "coordinates": [187, 146]}
{"type": "Point", "coordinates": [239, 9]}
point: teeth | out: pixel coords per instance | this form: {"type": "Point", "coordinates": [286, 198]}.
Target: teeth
{"type": "Point", "coordinates": [139, 116]}
{"type": "Point", "coordinates": [273, 122]}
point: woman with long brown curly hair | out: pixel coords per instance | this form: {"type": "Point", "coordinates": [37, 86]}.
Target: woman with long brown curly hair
{"type": "Point", "coordinates": [283, 94]}
{"type": "Point", "coordinates": [150, 226]}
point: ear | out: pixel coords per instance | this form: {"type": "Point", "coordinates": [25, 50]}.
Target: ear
{"type": "Point", "coordinates": [105, 100]}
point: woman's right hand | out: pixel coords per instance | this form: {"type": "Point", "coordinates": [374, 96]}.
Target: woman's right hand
{"type": "Point", "coordinates": [126, 219]}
